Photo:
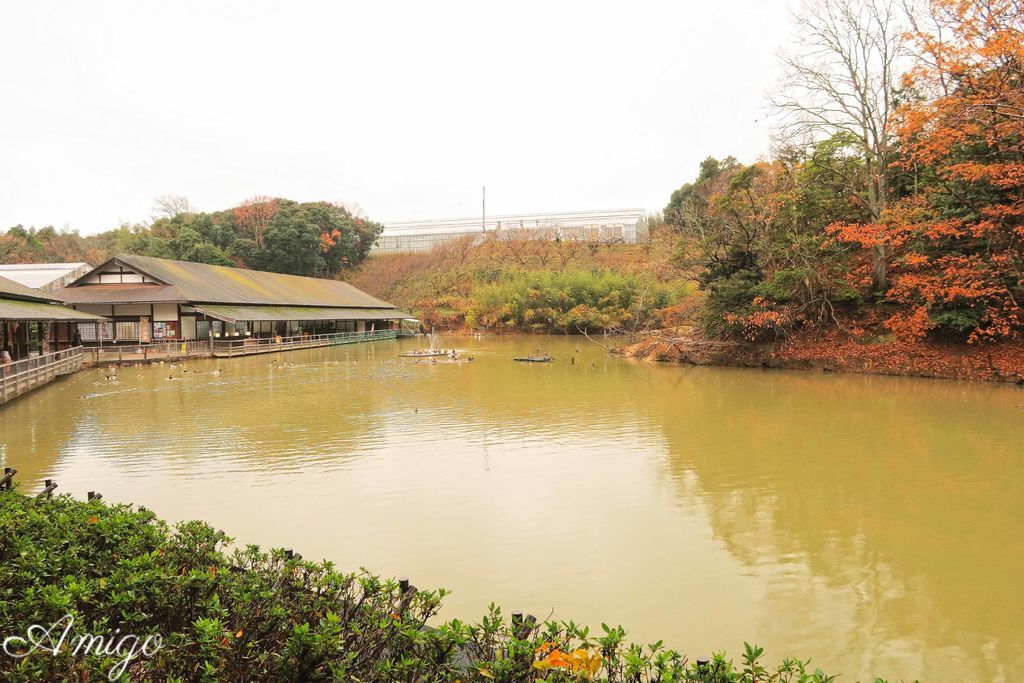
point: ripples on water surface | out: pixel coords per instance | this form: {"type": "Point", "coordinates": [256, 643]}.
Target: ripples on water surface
{"type": "Point", "coordinates": [874, 524]}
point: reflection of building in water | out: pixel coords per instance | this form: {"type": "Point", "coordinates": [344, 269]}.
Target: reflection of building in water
{"type": "Point", "coordinates": [902, 526]}
{"type": "Point", "coordinates": [618, 225]}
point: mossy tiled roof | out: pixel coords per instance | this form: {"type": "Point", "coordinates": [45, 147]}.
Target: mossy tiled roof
{"type": "Point", "coordinates": [204, 283]}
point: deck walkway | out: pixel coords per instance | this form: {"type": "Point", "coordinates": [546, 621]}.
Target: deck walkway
{"type": "Point", "coordinates": [21, 377]}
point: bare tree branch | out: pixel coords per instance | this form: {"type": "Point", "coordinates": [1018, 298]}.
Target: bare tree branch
{"type": "Point", "coordinates": [842, 78]}
{"type": "Point", "coordinates": [170, 205]}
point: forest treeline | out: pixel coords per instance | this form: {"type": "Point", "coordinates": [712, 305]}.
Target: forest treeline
{"type": "Point", "coordinates": [895, 199]}
{"type": "Point", "coordinates": [278, 235]}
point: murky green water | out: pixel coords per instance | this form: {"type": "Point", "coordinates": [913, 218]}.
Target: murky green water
{"type": "Point", "coordinates": [873, 524]}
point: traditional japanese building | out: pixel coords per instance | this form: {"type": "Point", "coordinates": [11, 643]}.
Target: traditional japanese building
{"type": "Point", "coordinates": [35, 323]}
{"type": "Point", "coordinates": [152, 299]}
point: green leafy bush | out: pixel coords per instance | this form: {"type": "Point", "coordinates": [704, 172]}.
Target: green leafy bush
{"type": "Point", "coordinates": [570, 300]}
{"type": "Point", "coordinates": [251, 615]}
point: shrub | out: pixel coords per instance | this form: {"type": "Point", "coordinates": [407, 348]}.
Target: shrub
{"type": "Point", "coordinates": [570, 301]}
{"type": "Point", "coordinates": [251, 615]}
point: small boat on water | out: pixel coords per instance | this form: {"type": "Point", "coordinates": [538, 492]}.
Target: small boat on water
{"type": "Point", "coordinates": [535, 359]}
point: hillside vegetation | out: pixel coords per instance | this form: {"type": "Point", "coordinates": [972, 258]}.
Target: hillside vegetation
{"type": "Point", "coordinates": [509, 282]}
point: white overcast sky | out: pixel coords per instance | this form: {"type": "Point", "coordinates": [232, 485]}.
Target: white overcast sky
{"type": "Point", "coordinates": [406, 108]}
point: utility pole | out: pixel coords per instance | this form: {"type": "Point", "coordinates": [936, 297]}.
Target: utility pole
{"type": "Point", "coordinates": [483, 214]}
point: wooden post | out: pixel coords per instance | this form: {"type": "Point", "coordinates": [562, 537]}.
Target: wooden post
{"type": "Point", "coordinates": [5, 481]}
{"type": "Point", "coordinates": [48, 489]}
{"type": "Point", "coordinates": [524, 626]}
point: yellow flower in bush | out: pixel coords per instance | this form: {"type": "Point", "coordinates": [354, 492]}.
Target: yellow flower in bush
{"type": "Point", "coordinates": [579, 662]}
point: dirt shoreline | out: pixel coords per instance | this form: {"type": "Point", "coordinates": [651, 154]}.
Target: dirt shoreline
{"type": "Point", "coordinates": [840, 353]}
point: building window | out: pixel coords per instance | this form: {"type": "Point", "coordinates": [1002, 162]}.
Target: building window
{"type": "Point", "coordinates": [92, 332]}
{"type": "Point", "coordinates": [126, 330]}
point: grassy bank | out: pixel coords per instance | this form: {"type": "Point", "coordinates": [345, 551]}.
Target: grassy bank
{"type": "Point", "coordinates": [252, 615]}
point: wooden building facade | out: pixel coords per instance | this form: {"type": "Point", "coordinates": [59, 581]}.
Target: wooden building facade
{"type": "Point", "coordinates": [149, 299]}
{"type": "Point", "coordinates": [34, 323]}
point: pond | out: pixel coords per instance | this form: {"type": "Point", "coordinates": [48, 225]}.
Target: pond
{"type": "Point", "coordinates": [873, 524]}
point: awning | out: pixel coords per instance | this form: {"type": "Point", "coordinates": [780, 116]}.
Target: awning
{"type": "Point", "coordinates": [11, 309]}
{"type": "Point", "coordinates": [233, 314]}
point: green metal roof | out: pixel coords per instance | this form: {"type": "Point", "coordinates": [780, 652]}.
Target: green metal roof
{"type": "Point", "coordinates": [13, 309]}
{"type": "Point", "coordinates": [202, 283]}
{"type": "Point", "coordinates": [246, 313]}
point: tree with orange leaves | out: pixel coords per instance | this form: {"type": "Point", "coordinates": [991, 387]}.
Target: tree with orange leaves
{"type": "Point", "coordinates": [254, 217]}
{"type": "Point", "coordinates": [959, 268]}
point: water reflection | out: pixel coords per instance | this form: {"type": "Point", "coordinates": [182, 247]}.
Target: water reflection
{"type": "Point", "coordinates": [873, 523]}
{"type": "Point", "coordinates": [883, 516]}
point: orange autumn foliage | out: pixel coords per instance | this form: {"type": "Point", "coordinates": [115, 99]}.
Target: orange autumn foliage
{"type": "Point", "coordinates": [329, 239]}
{"type": "Point", "coordinates": [764, 318]}
{"type": "Point", "coordinates": [253, 216]}
{"type": "Point", "coordinates": [581, 663]}
{"type": "Point", "coordinates": [956, 242]}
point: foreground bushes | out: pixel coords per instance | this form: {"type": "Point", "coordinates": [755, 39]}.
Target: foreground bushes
{"type": "Point", "coordinates": [250, 615]}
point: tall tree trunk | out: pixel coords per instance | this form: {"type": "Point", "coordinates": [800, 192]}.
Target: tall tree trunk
{"type": "Point", "coordinates": [880, 268]}
{"type": "Point", "coordinates": [880, 253]}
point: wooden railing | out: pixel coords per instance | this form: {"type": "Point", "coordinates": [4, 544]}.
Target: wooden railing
{"type": "Point", "coordinates": [226, 348]}
{"type": "Point", "coordinates": [22, 376]}
{"type": "Point", "coordinates": [134, 352]}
